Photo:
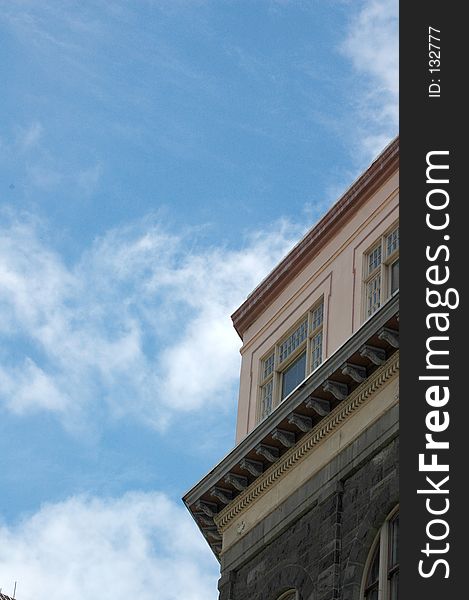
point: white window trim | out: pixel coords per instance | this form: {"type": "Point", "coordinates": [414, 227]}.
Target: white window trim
{"type": "Point", "coordinates": [383, 270]}
{"type": "Point", "coordinates": [281, 367]}
{"type": "Point", "coordinates": [382, 538]}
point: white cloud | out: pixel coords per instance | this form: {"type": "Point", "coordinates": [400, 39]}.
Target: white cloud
{"type": "Point", "coordinates": [141, 545]}
{"type": "Point", "coordinates": [140, 323]}
{"type": "Point", "coordinates": [27, 388]}
{"type": "Point", "coordinates": [372, 44]}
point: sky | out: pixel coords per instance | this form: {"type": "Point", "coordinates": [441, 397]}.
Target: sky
{"type": "Point", "coordinates": [157, 159]}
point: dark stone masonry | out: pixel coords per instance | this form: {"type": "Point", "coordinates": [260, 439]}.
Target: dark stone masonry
{"type": "Point", "coordinates": [319, 539]}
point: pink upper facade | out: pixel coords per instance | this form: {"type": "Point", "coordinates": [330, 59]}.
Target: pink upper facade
{"type": "Point", "coordinates": [340, 273]}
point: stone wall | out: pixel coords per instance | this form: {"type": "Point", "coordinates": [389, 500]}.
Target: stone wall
{"type": "Point", "coordinates": [319, 539]}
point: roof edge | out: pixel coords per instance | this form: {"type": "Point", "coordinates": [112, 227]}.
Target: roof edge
{"type": "Point", "coordinates": [308, 247]}
{"type": "Point", "coordinates": [216, 490]}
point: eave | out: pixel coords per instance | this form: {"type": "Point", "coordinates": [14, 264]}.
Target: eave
{"type": "Point", "coordinates": [325, 389]}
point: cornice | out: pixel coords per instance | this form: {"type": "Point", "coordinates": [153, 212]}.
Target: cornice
{"type": "Point", "coordinates": [357, 194]}
{"type": "Point", "coordinates": [324, 271]}
{"type": "Point", "coordinates": [262, 450]}
{"type": "Point", "coordinates": [306, 389]}
{"type": "Point", "coordinates": [308, 443]}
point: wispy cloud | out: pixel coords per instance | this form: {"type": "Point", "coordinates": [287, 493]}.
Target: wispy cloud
{"type": "Point", "coordinates": [28, 137]}
{"type": "Point", "coordinates": [44, 176]}
{"type": "Point", "coordinates": [28, 150]}
{"type": "Point", "coordinates": [140, 323]}
{"type": "Point", "coordinates": [88, 178]}
{"type": "Point", "coordinates": [372, 44]}
{"type": "Point", "coordinates": [136, 546]}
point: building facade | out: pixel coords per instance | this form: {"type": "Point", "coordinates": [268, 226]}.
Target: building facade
{"type": "Point", "coordinates": [306, 505]}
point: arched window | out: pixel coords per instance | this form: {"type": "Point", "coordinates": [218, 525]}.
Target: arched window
{"type": "Point", "coordinates": [289, 595]}
{"type": "Point", "coordinates": [381, 581]}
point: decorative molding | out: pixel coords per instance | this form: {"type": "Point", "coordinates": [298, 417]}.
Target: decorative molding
{"type": "Point", "coordinates": [307, 389]}
{"type": "Point", "coordinates": [286, 438]}
{"type": "Point", "coordinates": [336, 388]}
{"type": "Point", "coordinates": [241, 527]}
{"type": "Point", "coordinates": [356, 372]}
{"type": "Point", "coordinates": [270, 453]}
{"type": "Point", "coordinates": [213, 533]}
{"type": "Point", "coordinates": [255, 467]}
{"type": "Point", "coordinates": [324, 429]}
{"type": "Point", "coordinates": [209, 508]}
{"type": "Point", "coordinates": [390, 336]}
{"type": "Point", "coordinates": [225, 496]}
{"type": "Point", "coordinates": [320, 405]}
{"type": "Point", "coordinates": [239, 482]}
{"type": "Point", "coordinates": [376, 355]}
{"type": "Point", "coordinates": [303, 423]}
{"type": "Point", "coordinates": [203, 520]}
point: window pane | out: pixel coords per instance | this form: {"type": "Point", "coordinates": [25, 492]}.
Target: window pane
{"type": "Point", "coordinates": [373, 572]}
{"type": "Point", "coordinates": [393, 558]}
{"type": "Point", "coordinates": [372, 594]}
{"type": "Point", "coordinates": [394, 276]}
{"type": "Point", "coordinates": [392, 241]}
{"type": "Point", "coordinates": [371, 588]}
{"type": "Point", "coordinates": [374, 259]}
{"type": "Point", "coordinates": [266, 399]}
{"type": "Point", "coordinates": [293, 375]}
{"type": "Point", "coordinates": [373, 295]}
{"type": "Point", "coordinates": [393, 542]}
{"type": "Point", "coordinates": [289, 596]}
{"type": "Point", "coordinates": [317, 316]}
{"type": "Point", "coordinates": [316, 351]}
{"type": "Point", "coordinates": [394, 586]}
{"type": "Point", "coordinates": [382, 576]}
{"type": "Point", "coordinates": [267, 366]}
{"type": "Point", "coordinates": [293, 341]}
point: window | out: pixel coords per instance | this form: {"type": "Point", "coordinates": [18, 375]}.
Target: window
{"type": "Point", "coordinates": [382, 573]}
{"type": "Point", "coordinates": [290, 595]}
{"type": "Point", "coordinates": [293, 375]}
{"type": "Point", "coordinates": [381, 271]}
{"type": "Point", "coordinates": [291, 360]}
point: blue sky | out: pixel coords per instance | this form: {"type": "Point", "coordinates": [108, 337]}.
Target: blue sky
{"type": "Point", "coordinates": [157, 158]}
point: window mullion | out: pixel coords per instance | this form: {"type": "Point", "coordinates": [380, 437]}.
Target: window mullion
{"type": "Point", "coordinates": [382, 270]}
{"type": "Point", "coordinates": [383, 292]}
{"type": "Point", "coordinates": [275, 375]}
{"type": "Point", "coordinates": [308, 344]}
{"type": "Point", "coordinates": [383, 562]}
{"type": "Point", "coordinates": [276, 389]}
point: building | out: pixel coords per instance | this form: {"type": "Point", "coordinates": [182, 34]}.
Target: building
{"type": "Point", "coordinates": [306, 505]}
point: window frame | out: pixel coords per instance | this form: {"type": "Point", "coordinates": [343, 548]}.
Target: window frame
{"type": "Point", "coordinates": [381, 544]}
{"type": "Point", "coordinates": [289, 595]}
{"type": "Point", "coordinates": [381, 272]}
{"type": "Point", "coordinates": [275, 376]}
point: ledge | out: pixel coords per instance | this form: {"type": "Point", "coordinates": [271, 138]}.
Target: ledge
{"type": "Point", "coordinates": [324, 428]}
{"type": "Point", "coordinates": [214, 496]}
{"type": "Point", "coordinates": [359, 452]}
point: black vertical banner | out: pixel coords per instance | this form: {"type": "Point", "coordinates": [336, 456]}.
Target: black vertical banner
{"type": "Point", "coordinates": [434, 319]}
